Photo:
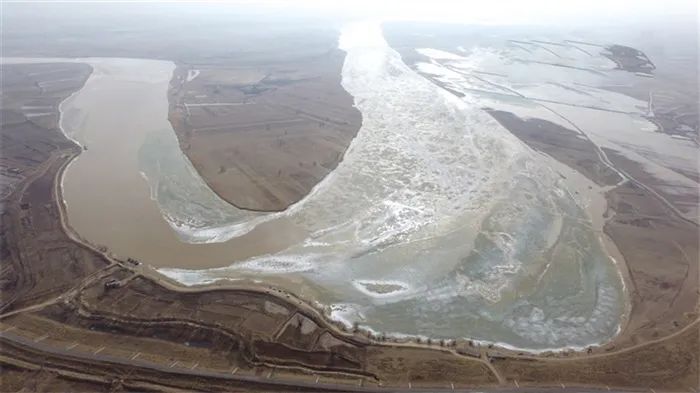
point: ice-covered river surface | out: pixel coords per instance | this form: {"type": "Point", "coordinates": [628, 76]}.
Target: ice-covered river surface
{"type": "Point", "coordinates": [438, 221]}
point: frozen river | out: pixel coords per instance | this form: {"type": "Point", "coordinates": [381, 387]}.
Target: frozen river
{"type": "Point", "coordinates": [437, 222]}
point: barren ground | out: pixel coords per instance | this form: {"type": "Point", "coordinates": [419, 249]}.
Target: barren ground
{"type": "Point", "coordinates": [263, 135]}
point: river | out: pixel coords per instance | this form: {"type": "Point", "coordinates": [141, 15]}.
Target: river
{"type": "Point", "coordinates": [437, 222]}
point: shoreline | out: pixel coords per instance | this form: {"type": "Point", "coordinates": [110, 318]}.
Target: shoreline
{"type": "Point", "coordinates": [597, 208]}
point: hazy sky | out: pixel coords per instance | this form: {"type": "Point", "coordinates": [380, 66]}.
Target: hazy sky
{"type": "Point", "coordinates": [535, 12]}
{"type": "Point", "coordinates": [500, 11]}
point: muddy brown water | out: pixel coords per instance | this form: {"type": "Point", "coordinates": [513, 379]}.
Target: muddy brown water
{"type": "Point", "coordinates": [121, 103]}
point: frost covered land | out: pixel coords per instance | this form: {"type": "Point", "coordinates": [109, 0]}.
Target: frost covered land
{"type": "Point", "coordinates": [437, 222]}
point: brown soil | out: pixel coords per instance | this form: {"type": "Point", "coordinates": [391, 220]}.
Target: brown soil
{"type": "Point", "coordinates": [38, 260]}
{"type": "Point", "coordinates": [263, 136]}
{"type": "Point", "coordinates": [36, 379]}
{"type": "Point", "coordinates": [682, 198]}
{"type": "Point", "coordinates": [669, 365]}
{"type": "Point", "coordinates": [563, 144]}
{"type": "Point", "coordinates": [661, 254]}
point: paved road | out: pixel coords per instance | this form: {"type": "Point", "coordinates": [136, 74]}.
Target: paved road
{"type": "Point", "coordinates": [257, 380]}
